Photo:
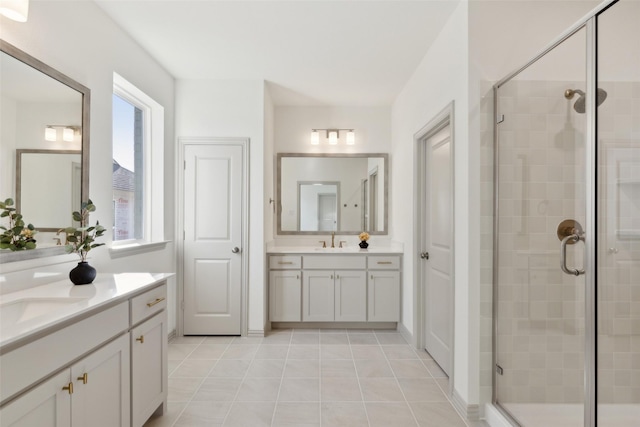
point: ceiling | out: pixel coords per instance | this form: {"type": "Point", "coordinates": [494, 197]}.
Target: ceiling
{"type": "Point", "coordinates": [311, 52]}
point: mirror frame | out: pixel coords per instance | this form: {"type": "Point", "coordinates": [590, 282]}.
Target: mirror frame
{"type": "Point", "coordinates": [9, 49]}
{"type": "Point", "coordinates": [279, 157]}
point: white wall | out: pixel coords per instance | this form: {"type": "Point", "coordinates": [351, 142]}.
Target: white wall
{"type": "Point", "coordinates": [441, 77]}
{"type": "Point", "coordinates": [234, 108]}
{"type": "Point", "coordinates": [79, 40]}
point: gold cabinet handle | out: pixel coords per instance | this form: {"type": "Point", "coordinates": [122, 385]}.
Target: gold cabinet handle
{"type": "Point", "coordinates": [158, 300]}
{"type": "Point", "coordinates": [285, 262]}
{"type": "Point", "coordinates": [84, 378]}
{"type": "Point", "coordinates": [141, 339]}
{"type": "Point", "coordinates": [372, 277]}
{"type": "Point", "coordinates": [297, 276]}
{"type": "Point", "coordinates": [385, 262]}
{"type": "Point", "coordinates": [69, 388]}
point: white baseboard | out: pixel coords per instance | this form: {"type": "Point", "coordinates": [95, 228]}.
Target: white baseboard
{"type": "Point", "coordinates": [494, 418]}
{"type": "Point", "coordinates": [255, 333]}
{"type": "Point", "coordinates": [172, 335]}
{"type": "Point", "coordinates": [407, 335]}
{"type": "Point", "coordinates": [468, 412]}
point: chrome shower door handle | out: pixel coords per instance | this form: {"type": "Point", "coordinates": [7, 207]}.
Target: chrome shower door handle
{"type": "Point", "coordinates": [570, 239]}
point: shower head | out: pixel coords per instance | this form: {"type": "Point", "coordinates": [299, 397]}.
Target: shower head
{"type": "Point", "coordinates": [579, 106]}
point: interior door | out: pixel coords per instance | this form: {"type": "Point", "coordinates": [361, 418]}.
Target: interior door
{"type": "Point", "coordinates": [327, 212]}
{"type": "Point", "coordinates": [213, 212]}
{"type": "Point", "coordinates": [437, 254]}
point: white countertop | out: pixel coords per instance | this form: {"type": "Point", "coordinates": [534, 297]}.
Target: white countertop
{"type": "Point", "coordinates": [375, 250]}
{"type": "Point", "coordinates": [37, 309]}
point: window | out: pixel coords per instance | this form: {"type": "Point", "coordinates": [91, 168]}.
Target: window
{"type": "Point", "coordinates": [137, 175]}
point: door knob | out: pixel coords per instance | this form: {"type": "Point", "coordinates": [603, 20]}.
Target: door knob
{"type": "Point", "coordinates": [424, 255]}
{"type": "Point", "coordinates": [235, 250]}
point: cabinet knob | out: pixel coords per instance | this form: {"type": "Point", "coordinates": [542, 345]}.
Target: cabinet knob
{"type": "Point", "coordinates": [141, 339]}
{"type": "Point", "coordinates": [84, 378]}
{"type": "Point", "coordinates": [69, 388]}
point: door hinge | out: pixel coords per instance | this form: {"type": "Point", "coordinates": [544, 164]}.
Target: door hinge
{"type": "Point", "coordinates": [499, 369]}
{"type": "Point", "coordinates": [500, 119]}
{"type": "Point", "coordinates": [185, 165]}
{"type": "Point", "coordinates": [182, 304]}
{"type": "Point", "coordinates": [184, 235]}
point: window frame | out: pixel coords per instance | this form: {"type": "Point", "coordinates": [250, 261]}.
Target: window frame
{"type": "Point", "coordinates": [153, 169]}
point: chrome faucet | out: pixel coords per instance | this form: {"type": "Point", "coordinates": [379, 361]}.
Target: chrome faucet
{"type": "Point", "coordinates": [333, 237]}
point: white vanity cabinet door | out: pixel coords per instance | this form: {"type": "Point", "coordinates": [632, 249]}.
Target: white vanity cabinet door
{"type": "Point", "coordinates": [383, 296]}
{"type": "Point", "coordinates": [148, 368]}
{"type": "Point", "coordinates": [350, 296]}
{"type": "Point", "coordinates": [47, 405]}
{"type": "Point", "coordinates": [318, 296]}
{"type": "Point", "coordinates": [285, 296]}
{"type": "Point", "coordinates": [101, 387]}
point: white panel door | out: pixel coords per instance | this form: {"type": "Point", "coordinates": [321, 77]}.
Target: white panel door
{"type": "Point", "coordinates": [213, 212]}
{"type": "Point", "coordinates": [438, 285]}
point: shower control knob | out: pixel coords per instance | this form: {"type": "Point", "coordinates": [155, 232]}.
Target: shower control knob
{"type": "Point", "coordinates": [424, 255]}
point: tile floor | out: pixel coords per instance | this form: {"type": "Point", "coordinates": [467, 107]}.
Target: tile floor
{"type": "Point", "coordinates": [304, 378]}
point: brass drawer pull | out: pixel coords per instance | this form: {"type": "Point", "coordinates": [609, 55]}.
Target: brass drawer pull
{"type": "Point", "coordinates": [141, 339]}
{"type": "Point", "coordinates": [84, 378]}
{"type": "Point", "coordinates": [69, 388]}
{"type": "Point", "coordinates": [158, 300]}
{"type": "Point", "coordinates": [385, 262]}
{"type": "Point", "coordinates": [285, 262]}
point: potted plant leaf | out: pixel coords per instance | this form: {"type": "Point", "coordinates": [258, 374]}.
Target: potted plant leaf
{"type": "Point", "coordinates": [81, 240]}
{"type": "Point", "coordinates": [19, 236]}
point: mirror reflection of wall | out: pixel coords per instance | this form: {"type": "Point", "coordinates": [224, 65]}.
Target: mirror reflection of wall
{"type": "Point", "coordinates": [41, 141]}
{"type": "Point", "coordinates": [320, 193]}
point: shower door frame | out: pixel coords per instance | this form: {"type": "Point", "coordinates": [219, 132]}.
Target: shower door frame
{"type": "Point", "coordinates": [589, 22]}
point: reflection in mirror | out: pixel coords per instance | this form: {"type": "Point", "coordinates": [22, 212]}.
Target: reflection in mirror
{"type": "Point", "coordinates": [320, 193]}
{"type": "Point", "coordinates": [51, 210]}
{"type": "Point", "coordinates": [46, 172]}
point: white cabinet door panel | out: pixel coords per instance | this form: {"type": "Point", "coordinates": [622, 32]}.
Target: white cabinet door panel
{"type": "Point", "coordinates": [318, 296]}
{"type": "Point", "coordinates": [350, 296]}
{"type": "Point", "coordinates": [285, 296]}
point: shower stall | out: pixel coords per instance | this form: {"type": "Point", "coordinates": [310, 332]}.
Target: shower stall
{"type": "Point", "coordinates": [567, 228]}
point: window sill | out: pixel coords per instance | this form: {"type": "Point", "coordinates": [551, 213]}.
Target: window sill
{"type": "Point", "coordinates": [120, 251]}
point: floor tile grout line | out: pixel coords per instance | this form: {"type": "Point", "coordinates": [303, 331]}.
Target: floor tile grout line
{"type": "Point", "coordinates": [284, 367]}
{"type": "Point", "coordinates": [202, 380]}
{"type": "Point", "coordinates": [364, 406]}
{"type": "Point", "coordinates": [395, 377]}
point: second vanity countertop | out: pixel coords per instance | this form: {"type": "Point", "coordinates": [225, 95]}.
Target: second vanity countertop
{"type": "Point", "coordinates": [31, 312]}
{"type": "Point", "coordinates": [330, 251]}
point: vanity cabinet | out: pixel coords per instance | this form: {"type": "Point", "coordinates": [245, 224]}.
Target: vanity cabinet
{"type": "Point", "coordinates": [334, 288]}
{"type": "Point", "coordinates": [105, 368]}
{"type": "Point", "coordinates": [92, 392]}
{"type": "Point", "coordinates": [339, 295]}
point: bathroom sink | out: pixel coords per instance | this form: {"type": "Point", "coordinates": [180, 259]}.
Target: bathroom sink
{"type": "Point", "coordinates": [25, 309]}
{"type": "Point", "coordinates": [339, 250]}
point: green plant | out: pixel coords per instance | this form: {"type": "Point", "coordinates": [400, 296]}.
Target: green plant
{"type": "Point", "coordinates": [18, 236]}
{"type": "Point", "coordinates": [81, 240]}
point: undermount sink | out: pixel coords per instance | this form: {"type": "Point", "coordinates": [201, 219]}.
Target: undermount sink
{"type": "Point", "coordinates": [330, 250]}
{"type": "Point", "coordinates": [26, 309]}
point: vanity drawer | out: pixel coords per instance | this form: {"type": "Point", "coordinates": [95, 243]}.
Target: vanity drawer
{"type": "Point", "coordinates": [280, 262]}
{"type": "Point", "coordinates": [335, 262]}
{"type": "Point", "coordinates": [151, 302]}
{"type": "Point", "coordinates": [384, 262]}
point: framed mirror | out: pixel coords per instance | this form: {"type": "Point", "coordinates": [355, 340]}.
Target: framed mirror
{"type": "Point", "coordinates": [44, 146]}
{"type": "Point", "coordinates": [323, 193]}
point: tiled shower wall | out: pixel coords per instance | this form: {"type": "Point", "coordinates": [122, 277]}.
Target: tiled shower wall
{"type": "Point", "coordinates": [541, 309]}
{"type": "Point", "coordinates": [619, 244]}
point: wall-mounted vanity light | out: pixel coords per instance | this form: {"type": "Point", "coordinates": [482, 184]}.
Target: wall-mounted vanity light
{"type": "Point", "coordinates": [18, 10]}
{"type": "Point", "coordinates": [333, 136]}
{"type": "Point", "coordinates": [68, 132]}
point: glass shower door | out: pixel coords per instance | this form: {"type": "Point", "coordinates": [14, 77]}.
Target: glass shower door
{"type": "Point", "coordinates": [540, 184]}
{"type": "Point", "coordinates": [618, 139]}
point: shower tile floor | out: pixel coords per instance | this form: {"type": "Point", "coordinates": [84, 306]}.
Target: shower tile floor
{"type": "Point", "coordinates": [304, 378]}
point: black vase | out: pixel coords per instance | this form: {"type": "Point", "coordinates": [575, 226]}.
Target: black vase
{"type": "Point", "coordinates": [364, 244]}
{"type": "Point", "coordinates": [82, 274]}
